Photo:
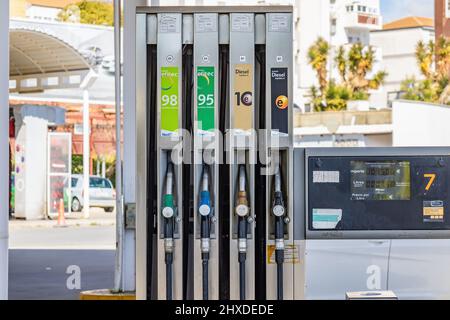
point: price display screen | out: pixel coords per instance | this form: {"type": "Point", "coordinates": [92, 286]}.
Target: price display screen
{"type": "Point", "coordinates": [380, 180]}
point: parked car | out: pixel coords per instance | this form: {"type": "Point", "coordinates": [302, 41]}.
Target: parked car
{"type": "Point", "coordinates": [107, 62]}
{"type": "Point", "coordinates": [101, 193]}
{"type": "Point", "coordinates": [94, 55]}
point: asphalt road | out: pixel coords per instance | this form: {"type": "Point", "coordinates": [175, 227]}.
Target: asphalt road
{"type": "Point", "coordinates": [39, 260]}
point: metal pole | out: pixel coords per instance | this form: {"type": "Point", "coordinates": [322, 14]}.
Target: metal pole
{"type": "Point", "coordinates": [120, 228]}
{"type": "Point", "coordinates": [4, 145]}
{"type": "Point", "coordinates": [86, 154]}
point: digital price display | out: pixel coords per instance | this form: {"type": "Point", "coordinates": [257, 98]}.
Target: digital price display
{"type": "Point", "coordinates": [380, 180]}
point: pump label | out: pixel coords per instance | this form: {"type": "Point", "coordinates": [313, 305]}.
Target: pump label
{"type": "Point", "coordinates": [291, 254]}
{"type": "Point", "coordinates": [243, 97]}
{"type": "Point", "coordinates": [206, 23]}
{"type": "Point", "coordinates": [169, 101]}
{"type": "Point", "coordinates": [205, 98]}
{"type": "Point", "coordinates": [279, 23]}
{"type": "Point", "coordinates": [433, 211]}
{"type": "Point", "coordinates": [280, 100]}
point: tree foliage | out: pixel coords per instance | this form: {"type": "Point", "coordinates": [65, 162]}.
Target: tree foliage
{"type": "Point", "coordinates": [89, 12]}
{"type": "Point", "coordinates": [433, 61]}
{"type": "Point", "coordinates": [354, 65]}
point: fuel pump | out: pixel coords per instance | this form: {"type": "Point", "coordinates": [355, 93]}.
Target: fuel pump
{"type": "Point", "coordinates": [281, 252]}
{"type": "Point", "coordinates": [241, 138]}
{"type": "Point", "coordinates": [206, 150]}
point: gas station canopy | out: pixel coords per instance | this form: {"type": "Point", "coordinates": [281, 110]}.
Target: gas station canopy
{"type": "Point", "coordinates": [39, 61]}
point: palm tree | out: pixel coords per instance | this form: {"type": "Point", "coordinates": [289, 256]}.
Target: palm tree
{"type": "Point", "coordinates": [341, 63]}
{"type": "Point", "coordinates": [318, 59]}
{"type": "Point", "coordinates": [434, 63]}
{"type": "Point", "coordinates": [356, 65]}
{"type": "Point", "coordinates": [425, 58]}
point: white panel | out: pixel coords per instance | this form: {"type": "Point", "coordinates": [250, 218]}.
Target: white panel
{"type": "Point", "coordinates": [339, 266]}
{"type": "Point", "coordinates": [129, 133]}
{"type": "Point", "coordinates": [417, 269]}
{"type": "Point", "coordinates": [4, 145]}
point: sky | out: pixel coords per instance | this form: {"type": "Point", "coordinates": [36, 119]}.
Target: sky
{"type": "Point", "coordinates": [396, 9]}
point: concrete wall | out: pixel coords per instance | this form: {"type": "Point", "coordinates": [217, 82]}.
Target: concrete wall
{"type": "Point", "coordinates": [4, 145]}
{"type": "Point", "coordinates": [398, 57]}
{"type": "Point", "coordinates": [418, 124]}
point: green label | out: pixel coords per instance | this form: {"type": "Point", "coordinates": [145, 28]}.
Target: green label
{"type": "Point", "coordinates": [169, 100]}
{"type": "Point", "coordinates": [205, 98]}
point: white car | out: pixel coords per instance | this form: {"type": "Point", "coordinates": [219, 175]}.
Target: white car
{"type": "Point", "coordinates": [101, 193]}
{"type": "Point", "coordinates": [108, 62]}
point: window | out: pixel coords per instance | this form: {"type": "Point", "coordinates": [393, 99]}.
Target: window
{"type": "Point", "coordinates": [74, 182]}
{"type": "Point", "coordinates": [333, 27]}
{"type": "Point", "coordinates": [100, 183]}
{"type": "Point", "coordinates": [447, 8]}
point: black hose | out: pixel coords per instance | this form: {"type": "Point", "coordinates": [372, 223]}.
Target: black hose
{"type": "Point", "coordinates": [279, 255]}
{"type": "Point", "coordinates": [205, 234]}
{"type": "Point", "coordinates": [169, 261]}
{"type": "Point", "coordinates": [280, 280]}
{"type": "Point", "coordinates": [242, 275]}
{"type": "Point", "coordinates": [205, 278]}
{"type": "Point", "coordinates": [242, 236]}
{"type": "Point", "coordinates": [168, 235]}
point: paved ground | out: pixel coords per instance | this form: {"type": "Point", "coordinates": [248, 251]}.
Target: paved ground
{"type": "Point", "coordinates": [40, 255]}
{"type": "Point", "coordinates": [41, 274]}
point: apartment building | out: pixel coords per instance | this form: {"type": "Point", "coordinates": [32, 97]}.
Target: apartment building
{"type": "Point", "coordinates": [340, 22]}
{"type": "Point", "coordinates": [397, 43]}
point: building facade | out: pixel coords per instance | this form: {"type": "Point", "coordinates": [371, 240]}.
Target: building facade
{"type": "Point", "coordinates": [340, 22]}
{"type": "Point", "coordinates": [397, 43]}
{"type": "Point", "coordinates": [442, 17]}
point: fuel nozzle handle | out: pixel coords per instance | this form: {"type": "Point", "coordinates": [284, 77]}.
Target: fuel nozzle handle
{"type": "Point", "coordinates": [205, 211]}
{"type": "Point", "coordinates": [242, 209]}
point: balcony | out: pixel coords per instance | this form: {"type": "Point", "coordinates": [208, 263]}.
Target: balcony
{"type": "Point", "coordinates": [361, 20]}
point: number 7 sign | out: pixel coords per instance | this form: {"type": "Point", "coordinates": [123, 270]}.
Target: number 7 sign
{"type": "Point", "coordinates": [432, 177]}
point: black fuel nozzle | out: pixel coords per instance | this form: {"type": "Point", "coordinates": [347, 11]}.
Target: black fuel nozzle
{"type": "Point", "coordinates": [279, 212]}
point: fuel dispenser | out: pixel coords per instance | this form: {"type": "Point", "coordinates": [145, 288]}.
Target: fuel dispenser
{"type": "Point", "coordinates": [208, 78]}
{"type": "Point", "coordinates": [206, 153]}
{"type": "Point", "coordinates": [278, 150]}
{"type": "Point", "coordinates": [169, 156]}
{"type": "Point", "coordinates": [376, 217]}
{"type": "Point", "coordinates": [242, 156]}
